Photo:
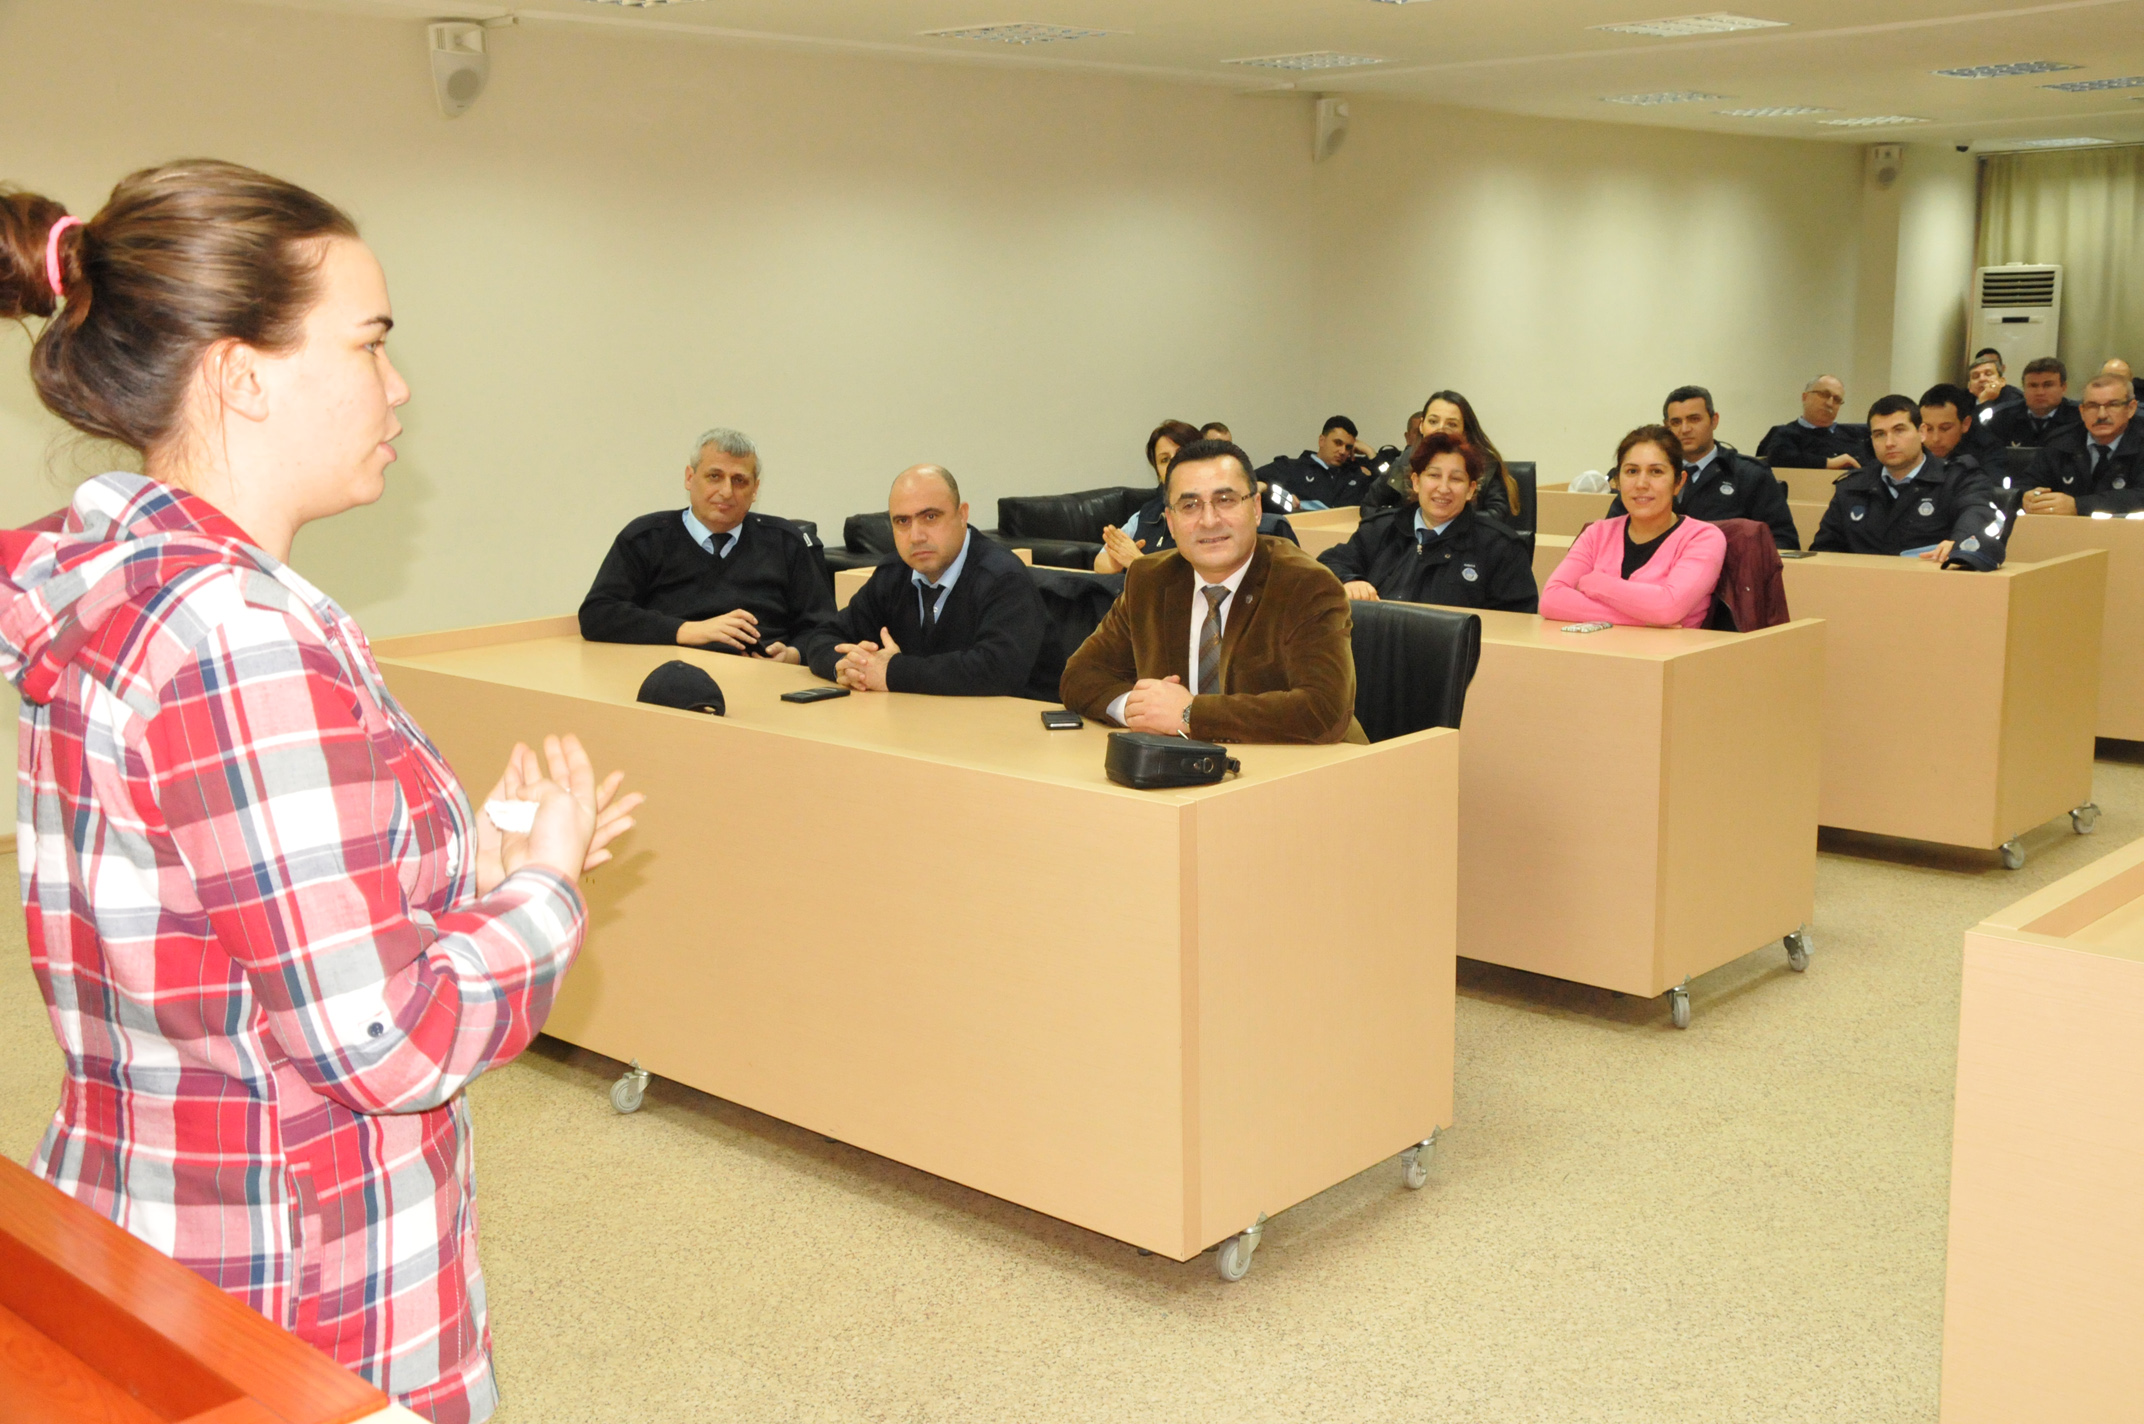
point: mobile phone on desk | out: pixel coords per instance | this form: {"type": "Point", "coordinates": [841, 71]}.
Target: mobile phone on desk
{"type": "Point", "coordinates": [1797, 553]}
{"type": "Point", "coordinates": [1586, 627]}
{"type": "Point", "coordinates": [814, 694]}
{"type": "Point", "coordinates": [1060, 719]}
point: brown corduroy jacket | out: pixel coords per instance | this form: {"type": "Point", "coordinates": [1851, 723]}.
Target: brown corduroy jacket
{"type": "Point", "coordinates": [1287, 665]}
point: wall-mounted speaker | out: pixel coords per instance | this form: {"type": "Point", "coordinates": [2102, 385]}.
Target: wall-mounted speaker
{"type": "Point", "coordinates": [459, 64]}
{"type": "Point", "coordinates": [1332, 127]}
{"type": "Point", "coordinates": [1886, 161]}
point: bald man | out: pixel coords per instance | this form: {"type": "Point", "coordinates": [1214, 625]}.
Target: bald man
{"type": "Point", "coordinates": [956, 615]}
{"type": "Point", "coordinates": [1817, 441]}
{"type": "Point", "coordinates": [2118, 367]}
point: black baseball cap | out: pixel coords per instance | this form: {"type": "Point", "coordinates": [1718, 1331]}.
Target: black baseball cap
{"type": "Point", "coordinates": [681, 685]}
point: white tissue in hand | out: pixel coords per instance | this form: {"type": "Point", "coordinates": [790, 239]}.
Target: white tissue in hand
{"type": "Point", "coordinates": [514, 817]}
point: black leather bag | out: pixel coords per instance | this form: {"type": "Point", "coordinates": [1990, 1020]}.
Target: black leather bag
{"type": "Point", "coordinates": [1148, 761]}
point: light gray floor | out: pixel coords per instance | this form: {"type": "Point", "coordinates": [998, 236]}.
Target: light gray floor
{"type": "Point", "coordinates": [1744, 1221]}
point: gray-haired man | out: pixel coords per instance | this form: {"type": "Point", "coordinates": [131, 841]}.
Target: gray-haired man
{"type": "Point", "coordinates": [714, 574]}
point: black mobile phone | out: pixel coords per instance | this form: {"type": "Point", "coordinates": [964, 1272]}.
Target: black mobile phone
{"type": "Point", "coordinates": [814, 694]}
{"type": "Point", "coordinates": [1797, 553]}
{"type": "Point", "coordinates": [1059, 719]}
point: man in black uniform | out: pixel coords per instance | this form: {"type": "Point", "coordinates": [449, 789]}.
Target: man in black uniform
{"type": "Point", "coordinates": [957, 614]}
{"type": "Point", "coordinates": [1817, 441]}
{"type": "Point", "coordinates": [2092, 468]}
{"type": "Point", "coordinates": [1325, 478]}
{"type": "Point", "coordinates": [2046, 410]}
{"type": "Point", "coordinates": [1910, 501]}
{"type": "Point", "coordinates": [1991, 392]}
{"type": "Point", "coordinates": [1719, 481]}
{"type": "Point", "coordinates": [713, 575]}
{"type": "Point", "coordinates": [1949, 430]}
{"type": "Point", "coordinates": [1439, 550]}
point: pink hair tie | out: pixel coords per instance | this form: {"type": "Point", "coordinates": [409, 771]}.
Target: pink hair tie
{"type": "Point", "coordinates": [52, 253]}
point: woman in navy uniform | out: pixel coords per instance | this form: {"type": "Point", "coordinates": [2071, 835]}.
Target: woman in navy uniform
{"type": "Point", "coordinates": [1439, 550]}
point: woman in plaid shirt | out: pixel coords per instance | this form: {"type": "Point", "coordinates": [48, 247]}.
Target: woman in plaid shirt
{"type": "Point", "coordinates": [275, 942]}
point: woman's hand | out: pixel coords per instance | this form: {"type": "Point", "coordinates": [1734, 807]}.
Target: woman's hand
{"type": "Point", "coordinates": [576, 819]}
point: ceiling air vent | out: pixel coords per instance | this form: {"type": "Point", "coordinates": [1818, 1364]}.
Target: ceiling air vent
{"type": "Point", "coordinates": [2021, 287]}
{"type": "Point", "coordinates": [1314, 59]}
{"type": "Point", "coordinates": [1717, 23]}
{"type": "Point", "coordinates": [2088, 86]}
{"type": "Point", "coordinates": [1873, 121]}
{"type": "Point", "coordinates": [1672, 96]}
{"type": "Point", "coordinates": [1777, 111]}
{"type": "Point", "coordinates": [2004, 71]}
{"type": "Point", "coordinates": [1023, 34]}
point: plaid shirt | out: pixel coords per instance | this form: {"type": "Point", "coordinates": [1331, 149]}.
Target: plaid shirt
{"type": "Point", "coordinates": [253, 913]}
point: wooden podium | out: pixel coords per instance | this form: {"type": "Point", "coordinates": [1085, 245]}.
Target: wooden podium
{"type": "Point", "coordinates": [96, 1325]}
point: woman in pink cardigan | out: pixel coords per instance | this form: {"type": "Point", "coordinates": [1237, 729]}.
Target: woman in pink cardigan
{"type": "Point", "coordinates": [1651, 566]}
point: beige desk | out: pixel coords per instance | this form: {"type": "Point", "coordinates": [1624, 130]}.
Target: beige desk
{"type": "Point", "coordinates": [1640, 803]}
{"type": "Point", "coordinates": [1566, 512]}
{"type": "Point", "coordinates": [2121, 642]}
{"type": "Point", "coordinates": [1098, 1003]}
{"type": "Point", "coordinates": [1549, 551]}
{"type": "Point", "coordinates": [1321, 529]}
{"type": "Point", "coordinates": [1958, 707]}
{"type": "Point", "coordinates": [2044, 1305]}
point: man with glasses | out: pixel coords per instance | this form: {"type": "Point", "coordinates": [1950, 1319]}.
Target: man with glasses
{"type": "Point", "coordinates": [1719, 481]}
{"type": "Point", "coordinates": [956, 615]}
{"type": "Point", "coordinates": [1232, 636]}
{"type": "Point", "coordinates": [713, 575]}
{"type": "Point", "coordinates": [2092, 468]}
{"type": "Point", "coordinates": [1816, 441]}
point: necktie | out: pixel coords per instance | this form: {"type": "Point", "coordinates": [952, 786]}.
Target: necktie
{"type": "Point", "coordinates": [2099, 452]}
{"type": "Point", "coordinates": [1421, 540]}
{"type": "Point", "coordinates": [1210, 639]}
{"type": "Point", "coordinates": [930, 608]}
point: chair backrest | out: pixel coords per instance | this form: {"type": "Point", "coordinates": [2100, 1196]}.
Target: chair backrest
{"type": "Point", "coordinates": [870, 533]}
{"type": "Point", "coordinates": [1412, 666]}
{"type": "Point", "coordinates": [2014, 461]}
{"type": "Point", "coordinates": [1079, 515]}
{"type": "Point", "coordinates": [1527, 519]}
{"type": "Point", "coordinates": [1076, 601]}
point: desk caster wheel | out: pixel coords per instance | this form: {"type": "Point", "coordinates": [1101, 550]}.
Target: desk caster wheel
{"type": "Point", "coordinates": [1679, 1005]}
{"type": "Point", "coordinates": [2085, 819]}
{"type": "Point", "coordinates": [1414, 1163]}
{"type": "Point", "coordinates": [1232, 1258]}
{"type": "Point", "coordinates": [1798, 950]}
{"type": "Point", "coordinates": [2013, 854]}
{"type": "Point", "coordinates": [627, 1093]}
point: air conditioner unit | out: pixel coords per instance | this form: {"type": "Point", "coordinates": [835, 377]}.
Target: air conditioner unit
{"type": "Point", "coordinates": [2017, 310]}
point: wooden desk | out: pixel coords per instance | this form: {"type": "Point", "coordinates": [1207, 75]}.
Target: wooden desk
{"type": "Point", "coordinates": [2044, 1303]}
{"type": "Point", "coordinates": [98, 1326]}
{"type": "Point", "coordinates": [1115, 1007]}
{"type": "Point", "coordinates": [1549, 551]}
{"type": "Point", "coordinates": [1321, 529]}
{"type": "Point", "coordinates": [1958, 707]}
{"type": "Point", "coordinates": [2121, 641]}
{"type": "Point", "coordinates": [1566, 512]}
{"type": "Point", "coordinates": [1640, 804]}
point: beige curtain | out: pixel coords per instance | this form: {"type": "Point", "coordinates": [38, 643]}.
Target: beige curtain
{"type": "Point", "coordinates": [2085, 210]}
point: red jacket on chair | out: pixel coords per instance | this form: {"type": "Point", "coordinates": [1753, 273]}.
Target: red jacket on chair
{"type": "Point", "coordinates": [1751, 584]}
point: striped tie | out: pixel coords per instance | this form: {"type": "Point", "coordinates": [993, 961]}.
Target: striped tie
{"type": "Point", "coordinates": [1210, 640]}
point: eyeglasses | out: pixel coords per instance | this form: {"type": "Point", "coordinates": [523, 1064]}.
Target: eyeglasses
{"type": "Point", "coordinates": [1222, 502]}
{"type": "Point", "coordinates": [2092, 408]}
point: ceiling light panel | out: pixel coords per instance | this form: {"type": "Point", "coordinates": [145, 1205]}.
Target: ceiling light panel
{"type": "Point", "coordinates": [2005, 71]}
{"type": "Point", "coordinates": [1022, 34]}
{"type": "Point", "coordinates": [643, 4]}
{"type": "Point", "coordinates": [1672, 96]}
{"type": "Point", "coordinates": [1777, 111]}
{"type": "Point", "coordinates": [1718, 23]}
{"type": "Point", "coordinates": [1873, 121]}
{"type": "Point", "coordinates": [2059, 143]}
{"type": "Point", "coordinates": [2090, 86]}
{"type": "Point", "coordinates": [1314, 59]}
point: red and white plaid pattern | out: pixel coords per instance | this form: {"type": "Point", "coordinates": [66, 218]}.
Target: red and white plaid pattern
{"type": "Point", "coordinates": [252, 911]}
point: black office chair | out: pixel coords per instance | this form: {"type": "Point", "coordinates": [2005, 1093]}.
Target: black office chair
{"type": "Point", "coordinates": [1077, 601]}
{"type": "Point", "coordinates": [866, 542]}
{"type": "Point", "coordinates": [1528, 519]}
{"type": "Point", "coordinates": [1065, 530]}
{"type": "Point", "coordinates": [1412, 666]}
{"type": "Point", "coordinates": [2014, 461]}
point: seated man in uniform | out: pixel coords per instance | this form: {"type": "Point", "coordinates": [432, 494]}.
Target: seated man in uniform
{"type": "Point", "coordinates": [2045, 412]}
{"type": "Point", "coordinates": [957, 614]}
{"type": "Point", "coordinates": [1232, 636]}
{"type": "Point", "coordinates": [1984, 378]}
{"type": "Point", "coordinates": [1816, 441]}
{"type": "Point", "coordinates": [1439, 551]}
{"type": "Point", "coordinates": [1949, 430]}
{"type": "Point", "coordinates": [1325, 478]}
{"type": "Point", "coordinates": [712, 575]}
{"type": "Point", "coordinates": [1719, 481]}
{"type": "Point", "coordinates": [2092, 468]}
{"type": "Point", "coordinates": [1911, 502]}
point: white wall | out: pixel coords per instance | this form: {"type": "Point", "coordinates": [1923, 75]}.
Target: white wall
{"type": "Point", "coordinates": [1566, 276]}
{"type": "Point", "coordinates": [1938, 211]}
